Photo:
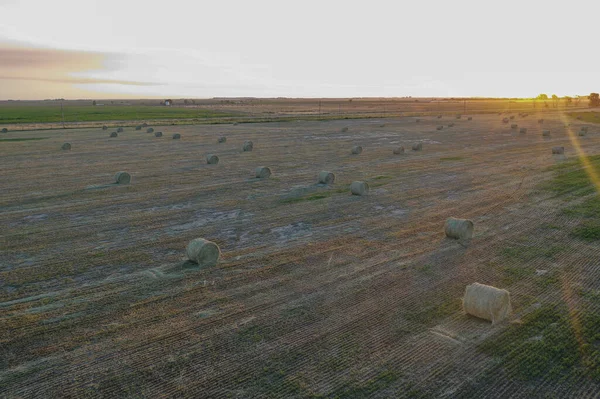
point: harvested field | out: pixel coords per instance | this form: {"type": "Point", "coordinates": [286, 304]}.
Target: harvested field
{"type": "Point", "coordinates": [317, 292]}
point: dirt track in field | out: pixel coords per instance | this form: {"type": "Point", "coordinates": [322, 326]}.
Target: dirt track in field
{"type": "Point", "coordinates": [317, 293]}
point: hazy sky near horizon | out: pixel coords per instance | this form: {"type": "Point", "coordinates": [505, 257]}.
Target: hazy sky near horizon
{"type": "Point", "coordinates": [269, 48]}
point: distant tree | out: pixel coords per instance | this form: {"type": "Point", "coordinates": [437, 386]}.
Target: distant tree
{"type": "Point", "coordinates": [555, 100]}
{"type": "Point", "coordinates": [94, 102]}
{"type": "Point", "coordinates": [185, 102]}
{"type": "Point", "coordinates": [194, 102]}
{"type": "Point", "coordinates": [568, 100]}
{"type": "Point", "coordinates": [577, 100]}
{"type": "Point", "coordinates": [594, 100]}
{"type": "Point", "coordinates": [542, 97]}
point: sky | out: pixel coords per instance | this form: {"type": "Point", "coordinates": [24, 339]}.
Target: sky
{"type": "Point", "coordinates": [309, 48]}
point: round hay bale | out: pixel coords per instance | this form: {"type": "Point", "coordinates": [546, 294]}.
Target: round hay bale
{"type": "Point", "coordinates": [584, 129]}
{"type": "Point", "coordinates": [450, 124]}
{"type": "Point", "coordinates": [458, 116]}
{"type": "Point", "coordinates": [581, 133]}
{"type": "Point", "coordinates": [540, 121]}
{"type": "Point", "coordinates": [460, 229]}
{"type": "Point", "coordinates": [4, 130]}
{"type": "Point", "coordinates": [212, 159]}
{"type": "Point", "coordinates": [144, 124]}
{"type": "Point", "coordinates": [114, 134]}
{"type": "Point", "coordinates": [440, 127]}
{"type": "Point", "coordinates": [158, 134]}
{"type": "Point", "coordinates": [66, 146]}
{"type": "Point", "coordinates": [399, 150]}
{"type": "Point", "coordinates": [203, 252]}
{"type": "Point", "coordinates": [222, 139]}
{"type": "Point", "coordinates": [417, 146]}
{"type": "Point", "coordinates": [326, 177]}
{"type": "Point", "coordinates": [344, 129]}
{"type": "Point", "coordinates": [359, 188]}
{"type": "Point", "coordinates": [558, 150]}
{"type": "Point", "coordinates": [418, 120]}
{"type": "Point", "coordinates": [356, 150]}
{"type": "Point", "coordinates": [382, 125]}
{"type": "Point", "coordinates": [523, 130]}
{"type": "Point", "coordinates": [122, 178]}
{"type": "Point", "coordinates": [149, 130]}
{"type": "Point", "coordinates": [514, 126]}
{"type": "Point", "coordinates": [248, 146]}
{"type": "Point", "coordinates": [176, 136]}
{"type": "Point", "coordinates": [262, 172]}
{"type": "Point", "coordinates": [546, 133]}
{"type": "Point", "coordinates": [235, 123]}
{"type": "Point", "coordinates": [504, 120]}
{"type": "Point", "coordinates": [512, 117]}
{"type": "Point", "coordinates": [120, 130]}
{"type": "Point", "coordinates": [104, 127]}
{"type": "Point", "coordinates": [470, 118]}
{"type": "Point", "coordinates": [138, 127]}
{"type": "Point", "coordinates": [579, 118]}
{"type": "Point", "coordinates": [487, 302]}
{"type": "Point", "coordinates": [439, 116]}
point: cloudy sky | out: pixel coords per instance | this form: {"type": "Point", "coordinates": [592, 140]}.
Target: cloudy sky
{"type": "Point", "coordinates": [309, 48]}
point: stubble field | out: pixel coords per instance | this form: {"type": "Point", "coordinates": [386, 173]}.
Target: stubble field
{"type": "Point", "coordinates": [318, 293]}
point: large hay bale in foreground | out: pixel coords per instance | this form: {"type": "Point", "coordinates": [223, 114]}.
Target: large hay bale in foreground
{"type": "Point", "coordinates": [356, 150]}
{"type": "Point", "coordinates": [417, 146]}
{"type": "Point", "coordinates": [66, 146]}
{"type": "Point", "coordinates": [546, 133]}
{"type": "Point", "coordinates": [523, 130]}
{"type": "Point", "coordinates": [263, 172]}
{"type": "Point", "coordinates": [440, 127]}
{"type": "Point", "coordinates": [487, 302]}
{"type": "Point", "coordinates": [158, 134]}
{"type": "Point", "coordinates": [212, 159]}
{"type": "Point", "coordinates": [114, 134]}
{"type": "Point", "coordinates": [149, 130]}
{"type": "Point", "coordinates": [459, 229]}
{"type": "Point", "coordinates": [514, 126]}
{"type": "Point", "coordinates": [558, 150]}
{"type": "Point", "coordinates": [326, 177]}
{"type": "Point", "coordinates": [120, 130]}
{"type": "Point", "coordinates": [248, 146]}
{"type": "Point", "coordinates": [104, 127]}
{"type": "Point", "coordinates": [222, 139]}
{"type": "Point", "coordinates": [176, 136]}
{"type": "Point", "coordinates": [399, 150]}
{"type": "Point", "coordinates": [359, 188]}
{"type": "Point", "coordinates": [122, 178]}
{"type": "Point", "coordinates": [138, 127]}
{"type": "Point", "coordinates": [4, 130]}
{"type": "Point", "coordinates": [203, 252]}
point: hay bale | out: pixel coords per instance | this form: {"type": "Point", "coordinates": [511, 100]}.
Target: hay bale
{"type": "Point", "coordinates": [584, 129]}
{"type": "Point", "coordinates": [558, 150]}
{"type": "Point", "coordinates": [149, 130]}
{"type": "Point", "coordinates": [158, 134]}
{"type": "Point", "coordinates": [359, 188]}
{"type": "Point", "coordinates": [504, 120]}
{"type": "Point", "coordinates": [356, 150]}
{"type": "Point", "coordinates": [144, 124]}
{"type": "Point", "coordinates": [203, 252]}
{"type": "Point", "coordinates": [104, 127]}
{"type": "Point", "coordinates": [113, 134]}
{"type": "Point", "coordinates": [138, 127]}
{"type": "Point", "coordinates": [514, 126]}
{"type": "Point", "coordinates": [122, 178]}
{"type": "Point", "coordinates": [450, 124]}
{"type": "Point", "coordinates": [460, 229]}
{"type": "Point", "coordinates": [176, 136]}
{"type": "Point", "coordinates": [523, 130]}
{"type": "Point", "coordinates": [487, 302]}
{"type": "Point", "coordinates": [512, 117]}
{"type": "Point", "coordinates": [399, 150]}
{"type": "Point", "coordinates": [120, 130]}
{"type": "Point", "coordinates": [546, 133]}
{"type": "Point", "coordinates": [326, 177]}
{"type": "Point", "coordinates": [458, 116]}
{"type": "Point", "coordinates": [248, 146]}
{"type": "Point", "coordinates": [440, 127]}
{"type": "Point", "coordinates": [418, 120]}
{"type": "Point", "coordinates": [382, 125]}
{"type": "Point", "coordinates": [222, 139]}
{"type": "Point", "coordinates": [579, 118]}
{"type": "Point", "coordinates": [262, 172]}
{"type": "Point", "coordinates": [417, 146]}
{"type": "Point", "coordinates": [212, 159]}
{"type": "Point", "coordinates": [66, 146]}
{"type": "Point", "coordinates": [439, 116]}
{"type": "Point", "coordinates": [344, 129]}
{"type": "Point", "coordinates": [470, 118]}
{"type": "Point", "coordinates": [581, 133]}
{"type": "Point", "coordinates": [540, 121]}
{"type": "Point", "coordinates": [4, 130]}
